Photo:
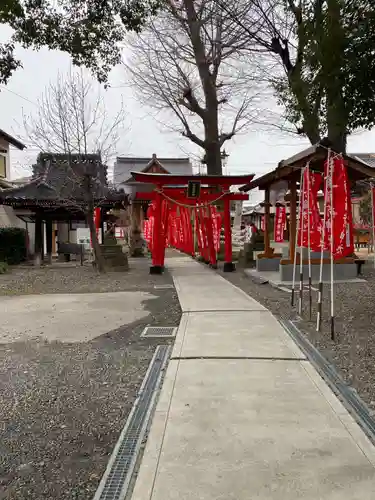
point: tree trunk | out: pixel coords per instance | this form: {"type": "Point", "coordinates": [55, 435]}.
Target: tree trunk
{"type": "Point", "coordinates": [208, 80]}
{"type": "Point", "coordinates": [213, 158]}
{"type": "Point", "coordinates": [99, 260]}
{"type": "Point", "coordinates": [211, 129]}
{"type": "Point", "coordinates": [333, 47]}
{"type": "Point", "coordinates": [337, 139]}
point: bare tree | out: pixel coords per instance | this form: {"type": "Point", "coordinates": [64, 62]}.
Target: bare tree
{"type": "Point", "coordinates": [189, 61]}
{"type": "Point", "coordinates": [72, 118]}
{"type": "Point", "coordinates": [72, 126]}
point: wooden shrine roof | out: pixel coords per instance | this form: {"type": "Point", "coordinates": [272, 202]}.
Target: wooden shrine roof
{"type": "Point", "coordinates": [290, 169]}
{"type": "Point", "coordinates": [59, 178]}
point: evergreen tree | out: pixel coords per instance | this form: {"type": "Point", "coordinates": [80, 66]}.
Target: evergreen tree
{"type": "Point", "coordinates": [88, 30]}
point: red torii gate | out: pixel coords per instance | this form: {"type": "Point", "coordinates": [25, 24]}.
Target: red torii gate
{"type": "Point", "coordinates": [214, 187]}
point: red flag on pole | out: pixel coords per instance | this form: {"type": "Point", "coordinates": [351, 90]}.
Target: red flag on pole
{"type": "Point", "coordinates": [216, 226]}
{"type": "Point", "coordinates": [339, 203]}
{"type": "Point", "coordinates": [279, 225]}
{"type": "Point", "coordinates": [310, 209]}
{"type": "Point", "coordinates": [146, 230]}
{"type": "Point", "coordinates": [97, 223]}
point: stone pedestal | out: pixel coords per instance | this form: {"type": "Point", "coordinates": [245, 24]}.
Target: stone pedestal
{"type": "Point", "coordinates": [265, 264]}
{"type": "Point", "coordinates": [344, 271]}
{"type": "Point", "coordinates": [114, 258]}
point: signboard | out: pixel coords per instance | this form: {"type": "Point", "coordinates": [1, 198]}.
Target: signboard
{"type": "Point", "coordinates": [194, 189]}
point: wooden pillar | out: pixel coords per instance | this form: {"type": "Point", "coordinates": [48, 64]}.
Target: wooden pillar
{"type": "Point", "coordinates": [38, 246]}
{"type": "Point", "coordinates": [293, 219]}
{"type": "Point", "coordinates": [49, 237]}
{"type": "Point", "coordinates": [54, 229]}
{"type": "Point", "coordinates": [267, 206]}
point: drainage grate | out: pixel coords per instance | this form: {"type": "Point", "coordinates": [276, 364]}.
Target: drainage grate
{"type": "Point", "coordinates": [159, 331]}
{"type": "Point", "coordinates": [115, 481]}
{"type": "Point", "coordinates": [163, 287]}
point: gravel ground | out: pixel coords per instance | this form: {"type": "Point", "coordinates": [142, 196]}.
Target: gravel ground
{"type": "Point", "coordinates": [62, 406]}
{"type": "Point", "coordinates": [71, 278]}
{"type": "Point", "coordinates": [353, 352]}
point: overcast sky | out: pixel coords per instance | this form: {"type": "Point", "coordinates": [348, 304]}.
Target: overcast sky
{"type": "Point", "coordinates": [254, 152]}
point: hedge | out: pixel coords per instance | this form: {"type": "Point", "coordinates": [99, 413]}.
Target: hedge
{"type": "Point", "coordinates": [13, 245]}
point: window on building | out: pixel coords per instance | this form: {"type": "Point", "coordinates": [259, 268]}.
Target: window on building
{"type": "Point", "coordinates": [3, 170]}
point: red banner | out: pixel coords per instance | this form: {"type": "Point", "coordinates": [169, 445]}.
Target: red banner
{"type": "Point", "coordinates": [338, 211]}
{"type": "Point", "coordinates": [97, 212]}
{"type": "Point", "coordinates": [310, 220]}
{"type": "Point", "coordinates": [148, 226]}
{"type": "Point", "coordinates": [262, 223]}
{"type": "Point", "coordinates": [146, 230]}
{"type": "Point", "coordinates": [216, 226]}
{"type": "Point", "coordinates": [279, 225]}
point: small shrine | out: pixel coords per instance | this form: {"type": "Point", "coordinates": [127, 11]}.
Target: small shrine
{"type": "Point", "coordinates": [54, 201]}
{"type": "Point", "coordinates": [288, 176]}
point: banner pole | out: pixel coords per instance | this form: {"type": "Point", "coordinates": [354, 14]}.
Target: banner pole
{"type": "Point", "coordinates": [322, 241]}
{"type": "Point", "coordinates": [309, 237]}
{"type": "Point", "coordinates": [296, 242]}
{"type": "Point", "coordinates": [332, 250]}
{"type": "Point", "coordinates": [301, 210]}
{"type": "Point", "coordinates": [194, 233]}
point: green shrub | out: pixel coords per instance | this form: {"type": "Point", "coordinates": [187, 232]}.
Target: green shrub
{"type": "Point", "coordinates": [3, 267]}
{"type": "Point", "coordinates": [12, 245]}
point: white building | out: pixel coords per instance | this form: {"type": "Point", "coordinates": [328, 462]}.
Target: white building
{"type": "Point", "coordinates": [7, 215]}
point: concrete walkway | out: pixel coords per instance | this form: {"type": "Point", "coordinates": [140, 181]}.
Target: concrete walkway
{"type": "Point", "coordinates": [242, 414]}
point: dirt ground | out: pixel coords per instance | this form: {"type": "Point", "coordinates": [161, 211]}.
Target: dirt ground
{"type": "Point", "coordinates": [63, 405]}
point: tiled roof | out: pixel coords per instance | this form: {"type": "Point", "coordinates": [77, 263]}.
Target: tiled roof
{"type": "Point", "coordinates": [368, 158]}
{"type": "Point", "coordinates": [60, 177]}
{"type": "Point", "coordinates": [125, 165]}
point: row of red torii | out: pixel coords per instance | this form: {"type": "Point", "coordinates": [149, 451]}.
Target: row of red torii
{"type": "Point", "coordinates": [174, 197]}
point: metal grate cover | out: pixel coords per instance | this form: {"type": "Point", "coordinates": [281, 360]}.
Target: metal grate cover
{"type": "Point", "coordinates": [115, 481]}
{"type": "Point", "coordinates": [159, 331]}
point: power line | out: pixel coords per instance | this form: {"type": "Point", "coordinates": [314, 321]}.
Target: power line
{"type": "Point", "coordinates": [18, 95]}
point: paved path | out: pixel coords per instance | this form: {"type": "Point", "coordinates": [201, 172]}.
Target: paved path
{"type": "Point", "coordinates": [242, 414]}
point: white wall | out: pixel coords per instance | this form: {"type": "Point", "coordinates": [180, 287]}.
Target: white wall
{"type": "Point", "coordinates": [5, 146]}
{"type": "Point", "coordinates": [8, 218]}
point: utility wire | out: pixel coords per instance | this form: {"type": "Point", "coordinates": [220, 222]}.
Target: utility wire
{"type": "Point", "coordinates": [3, 87]}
